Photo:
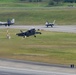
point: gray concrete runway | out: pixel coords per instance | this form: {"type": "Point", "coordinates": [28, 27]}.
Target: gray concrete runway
{"type": "Point", "coordinates": [20, 71]}
{"type": "Point", "coordinates": [64, 28]}
{"type": "Point", "coordinates": [17, 71]}
{"type": "Point", "coordinates": [17, 67]}
{"type": "Point", "coordinates": [69, 28]}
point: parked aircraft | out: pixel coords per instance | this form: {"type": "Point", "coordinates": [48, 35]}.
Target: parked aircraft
{"type": "Point", "coordinates": [28, 33]}
{"type": "Point", "coordinates": [50, 24]}
{"type": "Point", "coordinates": [8, 23]}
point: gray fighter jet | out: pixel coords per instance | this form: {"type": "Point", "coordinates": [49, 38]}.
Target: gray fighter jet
{"type": "Point", "coordinates": [8, 22]}
{"type": "Point", "coordinates": [50, 24]}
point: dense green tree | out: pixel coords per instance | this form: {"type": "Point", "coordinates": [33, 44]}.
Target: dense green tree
{"type": "Point", "coordinates": [22, 0]}
{"type": "Point", "coordinates": [58, 1]}
{"type": "Point", "coordinates": [37, 0]}
{"type": "Point", "coordinates": [51, 2]}
{"type": "Point", "coordinates": [40, 0]}
{"type": "Point", "coordinates": [55, 2]}
{"type": "Point", "coordinates": [30, 0]}
{"type": "Point", "coordinates": [71, 1]}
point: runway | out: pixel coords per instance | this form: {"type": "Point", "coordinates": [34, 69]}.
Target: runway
{"type": "Point", "coordinates": [19, 67]}
{"type": "Point", "coordinates": [18, 71]}
{"type": "Point", "coordinates": [57, 28]}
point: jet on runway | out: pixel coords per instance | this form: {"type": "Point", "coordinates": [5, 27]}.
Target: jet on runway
{"type": "Point", "coordinates": [8, 23]}
{"type": "Point", "coordinates": [50, 24]}
{"type": "Point", "coordinates": [28, 33]}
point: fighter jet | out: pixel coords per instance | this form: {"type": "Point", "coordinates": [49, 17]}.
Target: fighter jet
{"type": "Point", "coordinates": [28, 33]}
{"type": "Point", "coordinates": [50, 24]}
{"type": "Point", "coordinates": [8, 23]}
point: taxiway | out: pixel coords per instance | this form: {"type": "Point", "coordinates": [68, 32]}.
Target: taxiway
{"type": "Point", "coordinates": [57, 28]}
{"type": "Point", "coordinates": [19, 67]}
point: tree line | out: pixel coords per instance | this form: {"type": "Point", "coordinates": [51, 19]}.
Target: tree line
{"type": "Point", "coordinates": [51, 2]}
{"type": "Point", "coordinates": [70, 1]}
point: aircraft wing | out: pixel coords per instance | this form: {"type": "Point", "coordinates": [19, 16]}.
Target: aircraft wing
{"type": "Point", "coordinates": [3, 23]}
{"type": "Point", "coordinates": [37, 32]}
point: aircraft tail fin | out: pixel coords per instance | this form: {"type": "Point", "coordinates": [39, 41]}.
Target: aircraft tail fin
{"type": "Point", "coordinates": [47, 23]}
{"type": "Point", "coordinates": [21, 31]}
{"type": "Point", "coordinates": [54, 22]}
{"type": "Point", "coordinates": [13, 21]}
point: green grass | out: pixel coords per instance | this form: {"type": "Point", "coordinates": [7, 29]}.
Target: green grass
{"type": "Point", "coordinates": [38, 16]}
{"type": "Point", "coordinates": [5, 1]}
{"type": "Point", "coordinates": [18, 3]}
{"type": "Point", "coordinates": [50, 47]}
{"type": "Point", "coordinates": [22, 4]}
{"type": "Point", "coordinates": [36, 13]}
